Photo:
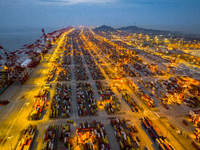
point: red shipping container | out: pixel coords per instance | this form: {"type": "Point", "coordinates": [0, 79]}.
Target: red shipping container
{"type": "Point", "coordinates": [29, 142]}
{"type": "Point", "coordinates": [100, 140]}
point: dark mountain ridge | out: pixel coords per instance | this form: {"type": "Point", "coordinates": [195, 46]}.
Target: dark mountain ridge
{"type": "Point", "coordinates": [136, 29]}
{"type": "Point", "coordinates": [105, 28]}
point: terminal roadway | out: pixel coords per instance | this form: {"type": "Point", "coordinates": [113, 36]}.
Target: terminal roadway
{"type": "Point", "coordinates": [14, 116]}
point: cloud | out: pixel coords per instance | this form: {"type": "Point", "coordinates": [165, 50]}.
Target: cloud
{"type": "Point", "coordinates": [73, 2]}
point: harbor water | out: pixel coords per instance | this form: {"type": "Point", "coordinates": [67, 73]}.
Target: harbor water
{"type": "Point", "coordinates": [14, 39]}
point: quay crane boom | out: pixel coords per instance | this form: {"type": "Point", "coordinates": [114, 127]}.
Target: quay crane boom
{"type": "Point", "coordinates": [12, 66]}
{"type": "Point", "coordinates": [17, 64]}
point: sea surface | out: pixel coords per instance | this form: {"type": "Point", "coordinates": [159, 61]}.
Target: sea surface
{"type": "Point", "coordinates": [14, 39]}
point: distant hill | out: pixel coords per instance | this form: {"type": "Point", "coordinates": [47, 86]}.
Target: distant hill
{"type": "Point", "coordinates": [135, 29]}
{"type": "Point", "coordinates": [105, 28]}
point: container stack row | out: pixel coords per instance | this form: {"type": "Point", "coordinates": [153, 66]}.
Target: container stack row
{"type": "Point", "coordinates": [80, 73]}
{"type": "Point", "coordinates": [81, 100]}
{"type": "Point", "coordinates": [108, 98]}
{"type": "Point", "coordinates": [66, 101]}
{"type": "Point", "coordinates": [131, 102]}
{"type": "Point", "coordinates": [39, 104]}
{"type": "Point", "coordinates": [89, 96]}
{"type": "Point", "coordinates": [64, 136]}
{"type": "Point", "coordinates": [56, 101]}
{"type": "Point", "coordinates": [121, 135]}
{"type": "Point", "coordinates": [49, 138]}
{"type": "Point", "coordinates": [27, 138]}
{"type": "Point", "coordinates": [95, 134]}
{"type": "Point", "coordinates": [65, 73]}
{"type": "Point", "coordinates": [112, 105]}
{"type": "Point", "coordinates": [51, 73]}
{"type": "Point", "coordinates": [156, 135]}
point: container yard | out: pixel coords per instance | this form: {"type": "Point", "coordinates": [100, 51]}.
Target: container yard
{"type": "Point", "coordinates": [91, 92]}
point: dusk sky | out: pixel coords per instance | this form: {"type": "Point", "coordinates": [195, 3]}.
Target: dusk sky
{"type": "Point", "coordinates": [174, 15]}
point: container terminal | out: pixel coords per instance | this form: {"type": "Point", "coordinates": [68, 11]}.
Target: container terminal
{"type": "Point", "coordinates": [88, 88]}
